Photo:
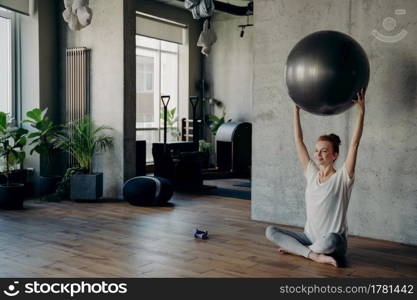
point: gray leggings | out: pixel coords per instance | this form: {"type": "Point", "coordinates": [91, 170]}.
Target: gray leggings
{"type": "Point", "coordinates": [333, 244]}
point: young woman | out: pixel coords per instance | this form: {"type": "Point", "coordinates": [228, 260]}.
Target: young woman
{"type": "Point", "coordinates": [327, 194]}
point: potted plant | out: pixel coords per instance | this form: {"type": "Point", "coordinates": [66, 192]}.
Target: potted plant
{"type": "Point", "coordinates": [82, 140]}
{"type": "Point", "coordinates": [18, 174]}
{"type": "Point", "coordinates": [43, 137]}
{"type": "Point", "coordinates": [216, 122]}
{"type": "Point", "coordinates": [205, 148]}
{"type": "Point", "coordinates": [12, 141]}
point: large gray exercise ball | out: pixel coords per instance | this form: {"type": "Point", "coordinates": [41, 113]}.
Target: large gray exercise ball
{"type": "Point", "coordinates": [324, 72]}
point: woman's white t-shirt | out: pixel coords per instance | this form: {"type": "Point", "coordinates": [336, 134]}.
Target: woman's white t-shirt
{"type": "Point", "coordinates": [327, 202]}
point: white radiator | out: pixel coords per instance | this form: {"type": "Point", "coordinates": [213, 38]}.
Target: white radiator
{"type": "Point", "coordinates": [77, 86]}
{"type": "Point", "coordinates": [77, 83]}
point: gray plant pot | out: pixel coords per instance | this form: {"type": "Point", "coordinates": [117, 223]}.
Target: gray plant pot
{"type": "Point", "coordinates": [48, 184]}
{"type": "Point", "coordinates": [86, 186]}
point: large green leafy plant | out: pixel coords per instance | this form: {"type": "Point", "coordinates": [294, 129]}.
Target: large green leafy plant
{"type": "Point", "coordinates": [216, 122]}
{"type": "Point", "coordinates": [43, 135]}
{"type": "Point", "coordinates": [12, 141]}
{"type": "Point", "coordinates": [82, 140]}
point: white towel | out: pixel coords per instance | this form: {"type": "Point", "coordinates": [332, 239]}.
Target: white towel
{"type": "Point", "coordinates": [207, 38]}
{"type": "Point", "coordinates": [200, 8]}
{"type": "Point", "coordinates": [77, 14]}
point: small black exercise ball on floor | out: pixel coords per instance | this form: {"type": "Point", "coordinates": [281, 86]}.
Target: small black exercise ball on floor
{"type": "Point", "coordinates": [147, 191]}
{"type": "Point", "coordinates": [324, 72]}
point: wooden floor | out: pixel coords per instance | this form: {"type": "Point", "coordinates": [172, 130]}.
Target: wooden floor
{"type": "Point", "coordinates": [115, 239]}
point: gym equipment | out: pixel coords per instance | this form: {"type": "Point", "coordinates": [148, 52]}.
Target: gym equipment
{"type": "Point", "coordinates": [147, 191]}
{"type": "Point", "coordinates": [234, 144]}
{"type": "Point", "coordinates": [196, 129]}
{"type": "Point", "coordinates": [140, 158]}
{"type": "Point", "coordinates": [165, 102]}
{"type": "Point", "coordinates": [200, 234]}
{"type": "Point", "coordinates": [180, 162]}
{"type": "Point", "coordinates": [165, 157]}
{"type": "Point", "coordinates": [324, 71]}
{"type": "Point", "coordinates": [182, 166]}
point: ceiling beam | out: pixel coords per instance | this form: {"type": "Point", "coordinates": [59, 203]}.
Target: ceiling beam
{"type": "Point", "coordinates": [233, 9]}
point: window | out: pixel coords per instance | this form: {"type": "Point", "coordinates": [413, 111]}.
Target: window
{"type": "Point", "coordinates": [6, 61]}
{"type": "Point", "coordinates": [157, 72]}
{"type": "Point", "coordinates": [162, 68]}
{"type": "Point", "coordinates": [145, 74]}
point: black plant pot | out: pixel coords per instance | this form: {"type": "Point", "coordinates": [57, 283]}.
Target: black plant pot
{"type": "Point", "coordinates": [12, 196]}
{"type": "Point", "coordinates": [15, 176]}
{"type": "Point", "coordinates": [48, 184]}
{"type": "Point", "coordinates": [205, 159]}
{"type": "Point", "coordinates": [86, 186]}
{"type": "Point", "coordinates": [19, 176]}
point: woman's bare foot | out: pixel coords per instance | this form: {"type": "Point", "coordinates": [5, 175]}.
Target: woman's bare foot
{"type": "Point", "coordinates": [282, 251]}
{"type": "Point", "coordinates": [322, 258]}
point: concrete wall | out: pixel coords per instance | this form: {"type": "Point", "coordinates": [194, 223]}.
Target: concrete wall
{"type": "Point", "coordinates": [104, 36]}
{"type": "Point", "coordinates": [229, 67]}
{"type": "Point", "coordinates": [383, 201]}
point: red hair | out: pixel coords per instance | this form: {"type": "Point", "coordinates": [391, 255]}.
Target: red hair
{"type": "Point", "coordinates": [333, 139]}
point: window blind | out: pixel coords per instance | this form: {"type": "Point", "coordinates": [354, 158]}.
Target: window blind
{"type": "Point", "coordinates": [20, 6]}
{"type": "Point", "coordinates": [159, 29]}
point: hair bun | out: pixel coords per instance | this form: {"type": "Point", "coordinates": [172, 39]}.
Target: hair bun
{"type": "Point", "coordinates": [335, 138]}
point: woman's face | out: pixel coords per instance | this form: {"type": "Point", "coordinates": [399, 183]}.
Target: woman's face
{"type": "Point", "coordinates": [324, 154]}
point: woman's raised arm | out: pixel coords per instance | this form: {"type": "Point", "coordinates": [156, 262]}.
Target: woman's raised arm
{"type": "Point", "coordinates": [354, 144]}
{"type": "Point", "coordinates": [299, 143]}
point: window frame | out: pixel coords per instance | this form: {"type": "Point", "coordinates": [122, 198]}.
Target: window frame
{"type": "Point", "coordinates": [159, 52]}
{"type": "Point", "coordinates": [157, 126]}
{"type": "Point", "coordinates": [11, 15]}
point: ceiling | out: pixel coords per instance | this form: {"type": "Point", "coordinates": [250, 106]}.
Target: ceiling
{"type": "Point", "coordinates": [236, 2]}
